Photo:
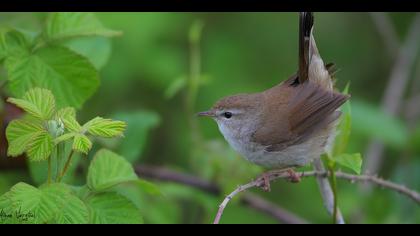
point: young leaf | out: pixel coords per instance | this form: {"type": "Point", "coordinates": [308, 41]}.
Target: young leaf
{"type": "Point", "coordinates": [20, 134]}
{"type": "Point", "coordinates": [64, 25]}
{"type": "Point", "coordinates": [81, 143]}
{"type": "Point", "coordinates": [108, 169]}
{"type": "Point", "coordinates": [64, 137]}
{"type": "Point", "coordinates": [38, 102]}
{"type": "Point", "coordinates": [71, 77]}
{"type": "Point", "coordinates": [40, 147]}
{"type": "Point", "coordinates": [344, 128]}
{"type": "Point", "coordinates": [106, 128]}
{"type": "Point", "coordinates": [112, 208]}
{"type": "Point", "coordinates": [351, 161]}
{"type": "Point", "coordinates": [65, 113]}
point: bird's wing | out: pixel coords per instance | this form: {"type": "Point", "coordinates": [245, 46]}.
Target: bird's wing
{"type": "Point", "coordinates": [308, 109]}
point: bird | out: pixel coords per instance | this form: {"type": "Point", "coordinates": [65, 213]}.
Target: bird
{"type": "Point", "coordinates": [291, 124]}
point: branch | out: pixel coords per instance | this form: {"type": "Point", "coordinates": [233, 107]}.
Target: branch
{"type": "Point", "coordinates": [393, 95]}
{"type": "Point", "coordinates": [415, 196]}
{"type": "Point", "coordinates": [251, 200]}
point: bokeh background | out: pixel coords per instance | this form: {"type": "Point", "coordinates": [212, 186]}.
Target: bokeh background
{"type": "Point", "coordinates": [167, 66]}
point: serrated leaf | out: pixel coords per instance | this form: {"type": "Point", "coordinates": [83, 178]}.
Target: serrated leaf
{"type": "Point", "coordinates": [20, 134]}
{"type": "Point", "coordinates": [112, 208]}
{"type": "Point", "coordinates": [71, 77]}
{"type": "Point", "coordinates": [11, 40]}
{"type": "Point", "coordinates": [64, 25]}
{"type": "Point", "coordinates": [81, 143]}
{"type": "Point", "coordinates": [40, 147]}
{"type": "Point", "coordinates": [96, 49]}
{"type": "Point", "coordinates": [64, 137]}
{"type": "Point", "coordinates": [38, 102]}
{"type": "Point", "coordinates": [106, 128]}
{"type": "Point", "coordinates": [65, 112]}
{"type": "Point", "coordinates": [135, 138]}
{"type": "Point", "coordinates": [351, 161]}
{"type": "Point", "coordinates": [71, 124]}
{"type": "Point", "coordinates": [72, 210]}
{"type": "Point", "coordinates": [108, 169]}
{"type": "Point", "coordinates": [49, 204]}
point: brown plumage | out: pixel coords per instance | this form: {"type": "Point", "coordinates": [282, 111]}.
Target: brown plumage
{"type": "Point", "coordinates": [290, 124]}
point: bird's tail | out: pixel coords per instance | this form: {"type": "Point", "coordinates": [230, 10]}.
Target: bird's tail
{"type": "Point", "coordinates": [306, 22]}
{"type": "Point", "coordinates": [311, 65]}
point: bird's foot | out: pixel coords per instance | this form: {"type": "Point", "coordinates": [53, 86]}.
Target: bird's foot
{"type": "Point", "coordinates": [266, 182]}
{"type": "Point", "coordinates": [293, 177]}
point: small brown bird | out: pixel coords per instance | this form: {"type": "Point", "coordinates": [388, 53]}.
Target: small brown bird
{"type": "Point", "coordinates": [290, 124]}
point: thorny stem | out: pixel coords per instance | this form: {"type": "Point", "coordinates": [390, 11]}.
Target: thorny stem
{"type": "Point", "coordinates": [66, 166]}
{"type": "Point", "coordinates": [415, 196]}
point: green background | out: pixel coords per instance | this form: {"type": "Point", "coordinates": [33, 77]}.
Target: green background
{"type": "Point", "coordinates": [244, 52]}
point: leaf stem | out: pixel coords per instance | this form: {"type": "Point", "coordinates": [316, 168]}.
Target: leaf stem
{"type": "Point", "coordinates": [58, 162]}
{"type": "Point", "coordinates": [49, 170]}
{"type": "Point", "coordinates": [66, 166]}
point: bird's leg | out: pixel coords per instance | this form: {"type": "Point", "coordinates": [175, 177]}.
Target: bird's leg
{"type": "Point", "coordinates": [293, 177]}
{"type": "Point", "coordinates": [266, 181]}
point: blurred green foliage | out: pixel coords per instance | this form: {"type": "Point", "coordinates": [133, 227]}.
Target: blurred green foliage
{"type": "Point", "coordinates": [141, 75]}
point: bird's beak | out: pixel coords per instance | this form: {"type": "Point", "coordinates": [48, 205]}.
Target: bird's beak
{"type": "Point", "coordinates": [207, 113]}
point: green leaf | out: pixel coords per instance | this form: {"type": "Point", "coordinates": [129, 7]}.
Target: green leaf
{"type": "Point", "coordinates": [64, 137]}
{"type": "Point", "coordinates": [106, 128]}
{"type": "Point", "coordinates": [20, 134]}
{"type": "Point", "coordinates": [63, 25]}
{"type": "Point", "coordinates": [344, 127]}
{"type": "Point", "coordinates": [37, 102]}
{"type": "Point", "coordinates": [71, 124]}
{"type": "Point", "coordinates": [50, 204]}
{"type": "Point", "coordinates": [82, 143]}
{"type": "Point", "coordinates": [71, 77]}
{"type": "Point", "coordinates": [72, 211]}
{"type": "Point", "coordinates": [148, 187]}
{"type": "Point", "coordinates": [40, 147]}
{"type": "Point", "coordinates": [108, 169]}
{"type": "Point", "coordinates": [65, 113]}
{"type": "Point", "coordinates": [112, 208]}
{"type": "Point", "coordinates": [12, 40]}
{"type": "Point", "coordinates": [96, 49]}
{"type": "Point", "coordinates": [351, 161]}
{"type": "Point", "coordinates": [134, 141]}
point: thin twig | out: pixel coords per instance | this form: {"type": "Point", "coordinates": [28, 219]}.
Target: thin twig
{"type": "Point", "coordinates": [248, 199]}
{"type": "Point", "coordinates": [415, 196]}
{"type": "Point", "coordinates": [393, 95]}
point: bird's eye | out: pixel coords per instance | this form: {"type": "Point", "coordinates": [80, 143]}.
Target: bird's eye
{"type": "Point", "coordinates": [227, 115]}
